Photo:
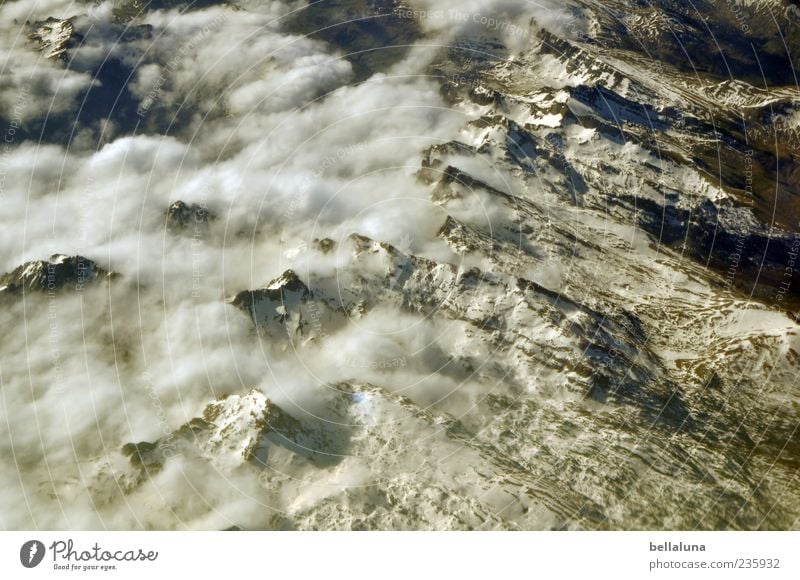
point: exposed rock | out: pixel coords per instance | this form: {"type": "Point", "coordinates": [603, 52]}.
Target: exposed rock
{"type": "Point", "coordinates": [325, 245]}
{"type": "Point", "coordinates": [188, 219]}
{"type": "Point", "coordinates": [54, 37]}
{"type": "Point", "coordinates": [59, 273]}
{"type": "Point", "coordinates": [286, 309]}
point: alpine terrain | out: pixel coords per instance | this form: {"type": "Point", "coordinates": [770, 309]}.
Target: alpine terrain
{"type": "Point", "coordinates": [378, 265]}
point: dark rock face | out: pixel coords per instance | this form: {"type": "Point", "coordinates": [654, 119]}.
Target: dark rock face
{"type": "Point", "coordinates": [374, 33]}
{"type": "Point", "coordinates": [757, 263]}
{"type": "Point", "coordinates": [280, 289]}
{"type": "Point", "coordinates": [455, 183]}
{"type": "Point", "coordinates": [191, 219]}
{"type": "Point", "coordinates": [734, 27]}
{"type": "Point", "coordinates": [60, 273]}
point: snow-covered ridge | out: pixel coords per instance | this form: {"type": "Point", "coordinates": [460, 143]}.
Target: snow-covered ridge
{"type": "Point", "coordinates": [58, 273]}
{"type": "Point", "coordinates": [54, 37]}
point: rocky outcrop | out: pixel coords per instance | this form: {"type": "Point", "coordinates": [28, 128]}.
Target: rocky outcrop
{"type": "Point", "coordinates": [59, 273]}
{"type": "Point", "coordinates": [189, 219]}
{"type": "Point", "coordinates": [236, 430]}
{"type": "Point", "coordinates": [575, 347]}
{"type": "Point", "coordinates": [54, 37]}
